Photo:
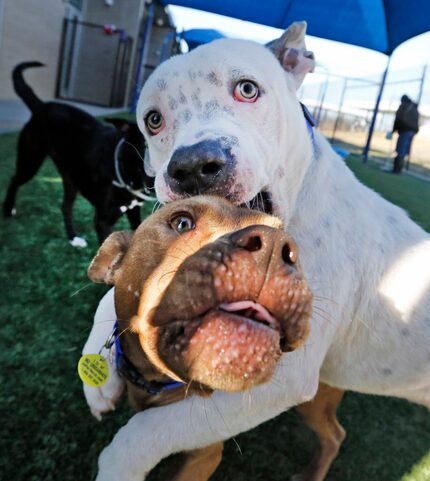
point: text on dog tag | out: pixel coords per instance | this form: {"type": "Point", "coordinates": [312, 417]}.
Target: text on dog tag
{"type": "Point", "coordinates": [93, 369]}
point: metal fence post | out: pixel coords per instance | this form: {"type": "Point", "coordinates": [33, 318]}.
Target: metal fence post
{"type": "Point", "coordinates": [423, 77]}
{"type": "Point", "coordinates": [375, 112]}
{"type": "Point", "coordinates": [339, 112]}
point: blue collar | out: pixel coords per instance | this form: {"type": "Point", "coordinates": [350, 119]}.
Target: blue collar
{"type": "Point", "coordinates": [129, 372]}
{"type": "Point", "coordinates": [310, 122]}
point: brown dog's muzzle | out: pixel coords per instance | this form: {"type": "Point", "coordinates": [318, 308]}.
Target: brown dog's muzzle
{"type": "Point", "coordinates": [231, 309]}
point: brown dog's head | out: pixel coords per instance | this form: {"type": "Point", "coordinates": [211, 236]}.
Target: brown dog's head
{"type": "Point", "coordinates": [213, 291]}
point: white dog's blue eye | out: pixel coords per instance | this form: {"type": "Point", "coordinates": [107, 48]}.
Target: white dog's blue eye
{"type": "Point", "coordinates": [182, 223]}
{"type": "Point", "coordinates": [246, 91]}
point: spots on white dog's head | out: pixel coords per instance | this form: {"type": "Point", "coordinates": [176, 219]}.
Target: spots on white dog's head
{"type": "Point", "coordinates": [172, 103]}
{"type": "Point", "coordinates": [185, 116]}
{"type": "Point", "coordinates": [195, 99]}
{"type": "Point", "coordinates": [161, 84]}
{"type": "Point", "coordinates": [230, 141]}
{"type": "Point", "coordinates": [327, 223]}
{"type": "Point", "coordinates": [228, 110]}
{"type": "Point", "coordinates": [236, 73]}
{"type": "Point", "coordinates": [200, 133]}
{"type": "Point", "coordinates": [387, 372]}
{"type": "Point", "coordinates": [280, 172]}
{"type": "Point", "coordinates": [210, 110]}
{"type": "Point", "coordinates": [182, 98]}
{"type": "Point", "coordinates": [317, 242]}
{"type": "Point", "coordinates": [214, 79]}
{"type": "Point", "coordinates": [192, 75]}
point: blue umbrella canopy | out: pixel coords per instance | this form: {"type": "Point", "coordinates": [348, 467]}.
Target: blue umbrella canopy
{"type": "Point", "coordinates": [380, 25]}
{"type": "Point", "coordinates": [197, 36]}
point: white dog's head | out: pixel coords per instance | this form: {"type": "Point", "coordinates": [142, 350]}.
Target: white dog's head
{"type": "Point", "coordinates": [224, 119]}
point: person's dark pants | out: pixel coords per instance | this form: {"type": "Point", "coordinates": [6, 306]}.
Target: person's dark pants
{"type": "Point", "coordinates": [403, 148]}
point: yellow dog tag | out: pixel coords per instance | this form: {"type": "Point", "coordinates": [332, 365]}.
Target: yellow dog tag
{"type": "Point", "coordinates": [93, 369]}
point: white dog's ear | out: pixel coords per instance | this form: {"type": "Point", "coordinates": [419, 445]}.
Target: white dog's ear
{"type": "Point", "coordinates": [109, 257]}
{"type": "Point", "coordinates": [290, 50]}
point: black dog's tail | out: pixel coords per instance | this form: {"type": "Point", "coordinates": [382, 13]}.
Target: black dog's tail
{"type": "Point", "coordinates": [22, 89]}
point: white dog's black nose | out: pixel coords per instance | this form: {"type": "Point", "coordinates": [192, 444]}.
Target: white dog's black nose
{"type": "Point", "coordinates": [204, 167]}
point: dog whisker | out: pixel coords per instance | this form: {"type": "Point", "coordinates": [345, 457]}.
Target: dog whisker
{"type": "Point", "coordinates": [325, 299]}
{"type": "Point", "coordinates": [81, 289]}
{"type": "Point", "coordinates": [323, 315]}
{"type": "Point", "coordinates": [371, 330]}
{"type": "Point", "coordinates": [188, 388]}
{"type": "Point", "coordinates": [87, 328]}
{"type": "Point", "coordinates": [226, 425]}
{"type": "Point", "coordinates": [135, 148]}
{"type": "Point", "coordinates": [109, 320]}
{"type": "Point", "coordinates": [207, 417]}
{"type": "Point", "coordinates": [168, 273]}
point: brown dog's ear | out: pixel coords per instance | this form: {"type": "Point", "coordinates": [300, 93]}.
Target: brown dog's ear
{"type": "Point", "coordinates": [109, 257]}
{"type": "Point", "coordinates": [290, 50]}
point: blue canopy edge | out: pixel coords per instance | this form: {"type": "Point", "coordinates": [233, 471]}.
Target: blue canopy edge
{"type": "Point", "coordinates": [380, 25]}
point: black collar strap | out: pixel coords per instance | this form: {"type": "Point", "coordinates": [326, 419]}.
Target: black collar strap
{"type": "Point", "coordinates": [310, 124]}
{"type": "Point", "coordinates": [129, 372]}
{"type": "Point", "coordinates": [308, 116]}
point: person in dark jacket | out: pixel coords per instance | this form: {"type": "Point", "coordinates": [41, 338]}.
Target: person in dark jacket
{"type": "Point", "coordinates": [406, 124]}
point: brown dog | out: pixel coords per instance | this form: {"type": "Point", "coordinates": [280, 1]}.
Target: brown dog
{"type": "Point", "coordinates": [207, 294]}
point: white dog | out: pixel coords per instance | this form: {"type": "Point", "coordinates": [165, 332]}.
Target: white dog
{"type": "Point", "coordinates": [227, 117]}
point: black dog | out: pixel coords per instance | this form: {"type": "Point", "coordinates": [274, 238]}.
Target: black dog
{"type": "Point", "coordinates": [101, 162]}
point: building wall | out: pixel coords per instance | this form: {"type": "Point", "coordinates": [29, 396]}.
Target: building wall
{"type": "Point", "coordinates": [125, 14]}
{"type": "Point", "coordinates": [30, 30]}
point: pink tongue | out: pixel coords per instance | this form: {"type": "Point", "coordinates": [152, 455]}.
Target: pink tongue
{"type": "Point", "coordinates": [260, 312]}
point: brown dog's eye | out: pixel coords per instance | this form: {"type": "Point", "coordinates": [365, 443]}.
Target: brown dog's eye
{"type": "Point", "coordinates": [182, 223]}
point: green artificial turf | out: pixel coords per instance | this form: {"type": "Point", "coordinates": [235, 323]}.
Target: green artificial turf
{"type": "Point", "coordinates": [46, 430]}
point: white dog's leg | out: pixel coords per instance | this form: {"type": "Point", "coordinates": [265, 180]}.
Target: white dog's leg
{"type": "Point", "coordinates": [103, 399]}
{"type": "Point", "coordinates": [196, 422]}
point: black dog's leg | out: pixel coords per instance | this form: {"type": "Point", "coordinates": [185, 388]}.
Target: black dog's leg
{"type": "Point", "coordinates": [70, 192]}
{"type": "Point", "coordinates": [30, 156]}
{"type": "Point", "coordinates": [104, 222]}
{"type": "Point", "coordinates": [134, 217]}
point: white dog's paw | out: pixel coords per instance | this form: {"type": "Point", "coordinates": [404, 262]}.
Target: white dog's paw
{"type": "Point", "coordinates": [98, 403]}
{"type": "Point", "coordinates": [78, 242]}
{"type": "Point", "coordinates": [101, 401]}
{"type": "Point", "coordinates": [104, 398]}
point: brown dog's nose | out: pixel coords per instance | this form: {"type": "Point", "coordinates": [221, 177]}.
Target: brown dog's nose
{"type": "Point", "coordinates": [266, 241]}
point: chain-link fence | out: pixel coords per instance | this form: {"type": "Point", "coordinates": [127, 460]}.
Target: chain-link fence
{"type": "Point", "coordinates": [343, 108]}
